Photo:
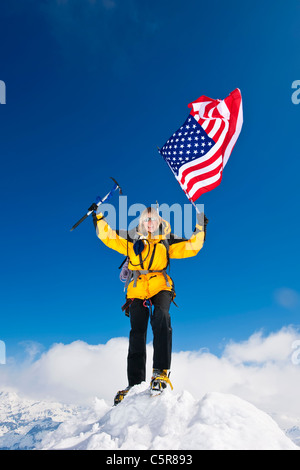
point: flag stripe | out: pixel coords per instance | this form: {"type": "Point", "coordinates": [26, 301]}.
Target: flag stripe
{"type": "Point", "coordinates": [236, 133]}
{"type": "Point", "coordinates": [190, 166]}
{"type": "Point", "coordinates": [216, 132]}
{"type": "Point", "coordinates": [213, 128]}
{"type": "Point", "coordinates": [205, 189]}
{"type": "Point", "coordinates": [204, 173]}
{"type": "Point", "coordinates": [206, 160]}
{"type": "Point", "coordinates": [193, 177]}
{"type": "Point", "coordinates": [199, 164]}
{"type": "Point", "coordinates": [216, 176]}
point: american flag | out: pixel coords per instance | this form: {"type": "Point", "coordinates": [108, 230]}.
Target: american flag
{"type": "Point", "coordinates": [199, 150]}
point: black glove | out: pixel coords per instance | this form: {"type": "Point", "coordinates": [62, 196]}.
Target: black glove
{"type": "Point", "coordinates": [202, 221]}
{"type": "Point", "coordinates": [93, 207]}
{"type": "Point", "coordinates": [96, 219]}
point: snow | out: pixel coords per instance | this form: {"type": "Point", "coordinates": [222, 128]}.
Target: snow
{"type": "Point", "coordinates": [171, 421]}
{"type": "Point", "coordinates": [24, 422]}
{"type": "Point", "coordinates": [294, 434]}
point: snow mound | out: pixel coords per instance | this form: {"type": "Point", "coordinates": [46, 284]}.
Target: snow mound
{"type": "Point", "coordinates": [170, 422]}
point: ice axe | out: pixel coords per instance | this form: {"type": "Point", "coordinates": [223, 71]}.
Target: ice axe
{"type": "Point", "coordinates": [99, 201]}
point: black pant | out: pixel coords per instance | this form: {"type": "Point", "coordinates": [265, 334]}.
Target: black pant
{"type": "Point", "coordinates": [162, 336]}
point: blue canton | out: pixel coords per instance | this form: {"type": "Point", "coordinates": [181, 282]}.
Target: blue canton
{"type": "Point", "coordinates": [187, 144]}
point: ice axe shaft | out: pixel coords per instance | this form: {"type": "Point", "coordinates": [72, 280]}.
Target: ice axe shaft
{"type": "Point", "coordinates": [99, 201]}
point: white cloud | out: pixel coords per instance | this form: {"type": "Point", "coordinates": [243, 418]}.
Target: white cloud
{"type": "Point", "coordinates": [260, 370]}
{"type": "Point", "coordinates": [260, 350]}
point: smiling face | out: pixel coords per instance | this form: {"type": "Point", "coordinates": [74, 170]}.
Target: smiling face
{"type": "Point", "coordinates": [150, 223]}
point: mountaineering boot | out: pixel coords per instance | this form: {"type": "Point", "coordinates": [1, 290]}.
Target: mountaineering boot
{"type": "Point", "coordinates": [160, 380]}
{"type": "Point", "coordinates": [121, 395]}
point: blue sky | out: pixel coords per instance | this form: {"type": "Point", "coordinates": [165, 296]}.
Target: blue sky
{"type": "Point", "coordinates": [93, 87]}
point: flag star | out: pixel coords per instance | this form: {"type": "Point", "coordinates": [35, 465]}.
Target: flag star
{"type": "Point", "coordinates": [203, 144]}
{"type": "Point", "coordinates": [188, 152]}
{"type": "Point", "coordinates": [210, 144]}
{"type": "Point", "coordinates": [202, 151]}
{"type": "Point", "coordinates": [189, 138]}
{"type": "Point", "coordinates": [203, 138]}
{"type": "Point", "coordinates": [195, 151]}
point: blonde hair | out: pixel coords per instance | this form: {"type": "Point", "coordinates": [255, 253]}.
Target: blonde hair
{"type": "Point", "coordinates": [150, 211]}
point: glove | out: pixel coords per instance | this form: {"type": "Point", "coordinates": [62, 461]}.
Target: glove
{"type": "Point", "coordinates": [202, 221]}
{"type": "Point", "coordinates": [96, 217]}
{"type": "Point", "coordinates": [93, 207]}
{"type": "Point", "coordinates": [202, 218]}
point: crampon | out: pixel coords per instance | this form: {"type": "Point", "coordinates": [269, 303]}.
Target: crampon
{"type": "Point", "coordinates": [121, 395]}
{"type": "Point", "coordinates": [159, 382]}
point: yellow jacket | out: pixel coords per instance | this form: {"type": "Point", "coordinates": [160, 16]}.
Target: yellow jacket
{"type": "Point", "coordinates": [154, 255]}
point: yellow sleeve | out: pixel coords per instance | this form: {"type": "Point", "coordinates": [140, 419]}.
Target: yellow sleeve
{"type": "Point", "coordinates": [188, 248]}
{"type": "Point", "coordinates": [109, 236]}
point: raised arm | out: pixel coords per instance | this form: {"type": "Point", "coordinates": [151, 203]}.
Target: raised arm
{"type": "Point", "coordinates": [182, 248]}
{"type": "Point", "coordinates": [109, 236]}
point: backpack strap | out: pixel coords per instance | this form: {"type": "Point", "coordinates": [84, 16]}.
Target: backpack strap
{"type": "Point", "coordinates": [152, 257]}
{"type": "Point", "coordinates": [165, 242]}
